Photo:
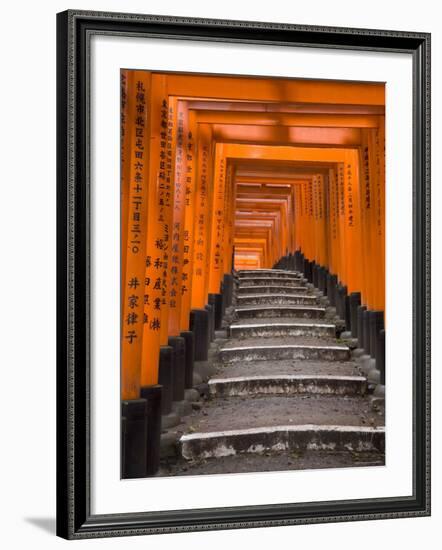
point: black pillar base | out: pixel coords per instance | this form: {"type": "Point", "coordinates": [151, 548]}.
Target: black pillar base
{"type": "Point", "coordinates": [292, 262]}
{"type": "Point", "coordinates": [347, 312]}
{"type": "Point", "coordinates": [134, 430]}
{"type": "Point", "coordinates": [228, 289]}
{"type": "Point", "coordinates": [308, 270]}
{"type": "Point", "coordinates": [179, 365]}
{"type": "Point", "coordinates": [211, 312]}
{"type": "Point", "coordinates": [331, 294]}
{"type": "Point", "coordinates": [218, 310]}
{"type": "Point", "coordinates": [376, 322]}
{"type": "Point", "coordinates": [366, 331]}
{"type": "Point", "coordinates": [337, 297]}
{"type": "Point", "coordinates": [190, 357]}
{"type": "Point", "coordinates": [314, 274]}
{"type": "Point", "coordinates": [199, 325]}
{"type": "Point", "coordinates": [301, 263]}
{"type": "Point", "coordinates": [355, 302]}
{"type": "Point", "coordinates": [223, 300]}
{"type": "Point", "coordinates": [340, 294]}
{"type": "Point", "coordinates": [165, 378]}
{"type": "Point", "coordinates": [380, 355]}
{"type": "Point", "coordinates": [360, 315]}
{"type": "Point", "coordinates": [152, 395]}
{"type": "Point", "coordinates": [322, 279]}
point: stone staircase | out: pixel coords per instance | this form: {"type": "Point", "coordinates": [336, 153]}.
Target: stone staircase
{"type": "Point", "coordinates": [285, 388]}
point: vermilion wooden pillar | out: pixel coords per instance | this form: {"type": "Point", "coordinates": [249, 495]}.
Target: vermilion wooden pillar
{"type": "Point", "coordinates": [135, 188]}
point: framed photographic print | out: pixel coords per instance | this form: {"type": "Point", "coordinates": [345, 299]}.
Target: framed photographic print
{"type": "Point", "coordinates": [243, 274]}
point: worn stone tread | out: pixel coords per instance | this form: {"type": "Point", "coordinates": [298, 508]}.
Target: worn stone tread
{"type": "Point", "coordinates": [272, 289]}
{"type": "Point", "coordinates": [264, 368]}
{"type": "Point", "coordinates": [282, 438]}
{"type": "Point", "coordinates": [293, 311]}
{"type": "Point", "coordinates": [276, 299]}
{"type": "Point", "coordinates": [281, 321]}
{"type": "Point", "coordinates": [282, 341]}
{"type": "Point", "coordinates": [287, 384]}
{"type": "Point", "coordinates": [285, 328]}
{"type": "Point", "coordinates": [266, 411]}
{"type": "Point", "coordinates": [272, 462]}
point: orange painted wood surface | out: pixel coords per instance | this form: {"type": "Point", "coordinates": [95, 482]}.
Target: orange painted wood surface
{"type": "Point", "coordinates": [236, 172]}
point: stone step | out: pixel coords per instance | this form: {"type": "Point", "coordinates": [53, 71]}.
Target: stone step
{"type": "Point", "coordinates": [287, 328]}
{"type": "Point", "coordinates": [265, 272]}
{"type": "Point", "coordinates": [306, 437]}
{"type": "Point", "coordinates": [272, 410]}
{"type": "Point", "coordinates": [292, 299]}
{"type": "Point", "coordinates": [288, 367]}
{"type": "Point", "coordinates": [260, 280]}
{"type": "Point", "coordinates": [287, 385]}
{"type": "Point", "coordinates": [273, 462]}
{"type": "Point", "coordinates": [251, 424]}
{"type": "Point", "coordinates": [272, 289]}
{"type": "Point", "coordinates": [256, 351]}
{"type": "Point", "coordinates": [251, 312]}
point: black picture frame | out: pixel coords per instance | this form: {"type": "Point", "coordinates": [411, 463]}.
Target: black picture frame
{"type": "Point", "coordinates": [74, 518]}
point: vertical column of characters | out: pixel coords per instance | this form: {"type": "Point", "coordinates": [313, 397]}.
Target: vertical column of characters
{"type": "Point", "coordinates": [302, 208]}
{"type": "Point", "coordinates": [132, 319]}
{"type": "Point", "coordinates": [125, 144]}
{"type": "Point", "coordinates": [296, 215]}
{"type": "Point", "coordinates": [310, 221]}
{"type": "Point", "coordinates": [284, 229]}
{"type": "Point", "coordinates": [303, 187]}
{"type": "Point", "coordinates": [291, 223]}
{"type": "Point", "coordinates": [381, 232]}
{"type": "Point", "coordinates": [231, 207]}
{"type": "Point", "coordinates": [189, 219]}
{"type": "Point", "coordinates": [302, 214]}
{"type": "Point", "coordinates": [179, 207]}
{"type": "Point", "coordinates": [315, 224]}
{"type": "Point", "coordinates": [218, 219]}
{"type": "Point", "coordinates": [275, 237]}
{"type": "Point", "coordinates": [210, 190]}
{"type": "Point", "coordinates": [367, 221]}
{"type": "Point", "coordinates": [322, 222]}
{"type": "Point", "coordinates": [225, 226]}
{"type": "Point", "coordinates": [293, 207]}
{"type": "Point", "coordinates": [377, 163]}
{"type": "Point", "coordinates": [342, 224]}
{"type": "Point", "coordinates": [169, 260]}
{"type": "Point", "coordinates": [271, 236]}
{"type": "Point", "coordinates": [354, 250]}
{"type": "Point", "coordinates": [200, 245]}
{"type": "Point", "coordinates": [279, 238]}
{"type": "Point", "coordinates": [155, 232]}
{"type": "Point", "coordinates": [333, 217]}
{"type": "Point", "coordinates": [327, 217]}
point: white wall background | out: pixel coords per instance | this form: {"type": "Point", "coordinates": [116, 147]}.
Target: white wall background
{"type": "Point", "coordinates": [27, 274]}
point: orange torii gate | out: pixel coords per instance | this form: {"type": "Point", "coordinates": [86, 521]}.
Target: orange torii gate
{"type": "Point", "coordinates": [281, 224]}
{"type": "Point", "coordinates": [209, 91]}
{"type": "Point", "coordinates": [258, 230]}
{"type": "Point", "coordinates": [317, 212]}
{"type": "Point", "coordinates": [262, 89]}
{"type": "Point", "coordinates": [375, 108]}
{"type": "Point", "coordinates": [183, 140]}
{"type": "Point", "coordinates": [348, 270]}
{"type": "Point", "coordinates": [197, 270]}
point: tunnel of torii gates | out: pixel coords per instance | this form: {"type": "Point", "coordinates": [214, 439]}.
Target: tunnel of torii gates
{"type": "Point", "coordinates": [222, 173]}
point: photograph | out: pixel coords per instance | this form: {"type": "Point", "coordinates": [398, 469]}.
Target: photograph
{"type": "Point", "coordinates": [231, 248]}
{"type": "Point", "coordinates": [252, 237]}
{"type": "Point", "coordinates": [243, 273]}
